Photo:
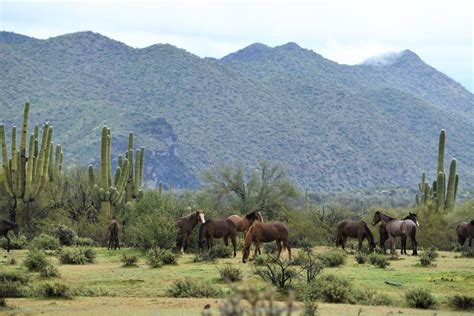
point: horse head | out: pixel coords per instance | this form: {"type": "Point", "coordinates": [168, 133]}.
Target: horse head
{"type": "Point", "coordinates": [200, 216]}
{"type": "Point", "coordinates": [414, 218]}
{"type": "Point", "coordinates": [376, 218]}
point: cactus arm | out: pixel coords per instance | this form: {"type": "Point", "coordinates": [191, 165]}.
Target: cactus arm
{"type": "Point", "coordinates": [441, 148]}
{"type": "Point", "coordinates": [6, 163]}
{"type": "Point", "coordinates": [450, 197]}
{"type": "Point", "coordinates": [29, 168]}
{"type": "Point", "coordinates": [440, 191]}
{"type": "Point", "coordinates": [103, 159]}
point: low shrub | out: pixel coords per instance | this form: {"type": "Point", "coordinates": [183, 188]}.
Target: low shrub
{"type": "Point", "coordinates": [77, 256]}
{"type": "Point", "coordinates": [157, 257]}
{"type": "Point", "coordinates": [129, 260]}
{"type": "Point", "coordinates": [425, 259]}
{"type": "Point", "coordinates": [278, 272]}
{"type": "Point", "coordinates": [329, 288]}
{"type": "Point", "coordinates": [229, 273]}
{"type": "Point", "coordinates": [432, 253]}
{"type": "Point", "coordinates": [203, 257]}
{"type": "Point", "coordinates": [361, 257]}
{"type": "Point", "coordinates": [301, 259]}
{"type": "Point", "coordinates": [83, 242]}
{"type": "Point", "coordinates": [462, 302]}
{"type": "Point", "coordinates": [3, 302]}
{"type": "Point", "coordinates": [11, 261]}
{"type": "Point", "coordinates": [15, 243]}
{"type": "Point", "coordinates": [378, 260]}
{"type": "Point", "coordinates": [49, 271]}
{"type": "Point", "coordinates": [270, 248]}
{"type": "Point", "coordinates": [45, 242]}
{"type": "Point", "coordinates": [467, 252]}
{"type": "Point", "coordinates": [14, 284]}
{"type": "Point", "coordinates": [14, 277]}
{"type": "Point", "coordinates": [420, 298]}
{"type": "Point", "coordinates": [332, 258]}
{"type": "Point", "coordinates": [55, 290]}
{"type": "Point", "coordinates": [260, 260]}
{"type": "Point", "coordinates": [369, 297]}
{"type": "Point", "coordinates": [36, 260]}
{"type": "Point", "coordinates": [192, 288]}
{"type": "Point", "coordinates": [220, 251]}
{"type": "Point", "coordinates": [65, 234]}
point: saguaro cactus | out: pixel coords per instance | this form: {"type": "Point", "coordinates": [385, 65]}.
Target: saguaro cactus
{"type": "Point", "coordinates": [135, 176]}
{"type": "Point", "coordinates": [105, 192]}
{"type": "Point", "coordinates": [25, 176]}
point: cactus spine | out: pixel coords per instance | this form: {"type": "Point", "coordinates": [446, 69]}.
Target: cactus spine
{"type": "Point", "coordinates": [106, 193]}
{"type": "Point", "coordinates": [25, 177]}
{"type": "Point", "coordinates": [135, 176]}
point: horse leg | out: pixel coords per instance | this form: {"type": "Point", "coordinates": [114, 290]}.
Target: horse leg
{"type": "Point", "coordinates": [8, 242]}
{"type": "Point", "coordinates": [470, 241]}
{"type": "Point", "coordinates": [226, 241]}
{"type": "Point", "coordinates": [461, 240]}
{"type": "Point", "coordinates": [257, 246]}
{"type": "Point", "coordinates": [183, 243]}
{"type": "Point", "coordinates": [403, 245]}
{"type": "Point", "coordinates": [278, 242]}
{"type": "Point", "coordinates": [234, 245]}
{"type": "Point", "coordinates": [343, 242]}
{"type": "Point", "coordinates": [392, 244]}
{"type": "Point", "coordinates": [286, 244]}
{"type": "Point", "coordinates": [361, 239]}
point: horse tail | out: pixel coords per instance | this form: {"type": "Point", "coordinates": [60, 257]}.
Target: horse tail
{"type": "Point", "coordinates": [413, 233]}
{"type": "Point", "coordinates": [370, 236]}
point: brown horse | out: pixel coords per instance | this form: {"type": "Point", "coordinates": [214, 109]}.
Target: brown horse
{"type": "Point", "coordinates": [384, 235]}
{"type": "Point", "coordinates": [354, 229]}
{"type": "Point", "coordinates": [398, 228]}
{"type": "Point", "coordinates": [465, 231]}
{"type": "Point", "coordinates": [5, 227]}
{"type": "Point", "coordinates": [186, 225]}
{"type": "Point", "coordinates": [244, 222]}
{"type": "Point", "coordinates": [114, 231]}
{"type": "Point", "coordinates": [266, 232]}
{"type": "Point", "coordinates": [224, 228]}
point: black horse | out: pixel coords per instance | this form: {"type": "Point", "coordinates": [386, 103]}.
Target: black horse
{"type": "Point", "coordinates": [5, 227]}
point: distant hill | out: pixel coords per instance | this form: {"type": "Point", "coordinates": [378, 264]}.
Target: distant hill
{"type": "Point", "coordinates": [336, 127]}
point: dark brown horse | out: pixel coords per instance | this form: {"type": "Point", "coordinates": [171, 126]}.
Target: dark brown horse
{"type": "Point", "coordinates": [266, 232]}
{"type": "Point", "coordinates": [465, 231]}
{"type": "Point", "coordinates": [354, 229]}
{"type": "Point", "coordinates": [186, 225]}
{"type": "Point", "coordinates": [224, 228]}
{"type": "Point", "coordinates": [398, 228]}
{"type": "Point", "coordinates": [114, 231]}
{"type": "Point", "coordinates": [5, 227]}
{"type": "Point", "coordinates": [244, 222]}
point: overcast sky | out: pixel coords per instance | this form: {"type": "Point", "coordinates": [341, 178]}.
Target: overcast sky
{"type": "Point", "coordinates": [440, 32]}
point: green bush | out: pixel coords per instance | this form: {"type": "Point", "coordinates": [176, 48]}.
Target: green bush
{"type": "Point", "coordinates": [361, 257]}
{"type": "Point", "coordinates": [15, 243]}
{"type": "Point", "coordinates": [205, 257]}
{"type": "Point", "coordinates": [260, 260]}
{"type": "Point", "coordinates": [432, 253]}
{"type": "Point", "coordinates": [14, 284]}
{"type": "Point", "coordinates": [378, 260]}
{"type": "Point", "coordinates": [83, 242]}
{"type": "Point", "coordinates": [220, 251]}
{"type": "Point", "coordinates": [270, 248]}
{"type": "Point", "coordinates": [65, 234]}
{"type": "Point", "coordinates": [14, 277]}
{"type": "Point", "coordinates": [11, 261]}
{"type": "Point", "coordinates": [467, 252]}
{"type": "Point", "coordinates": [300, 259]}
{"type": "Point", "coordinates": [45, 242]}
{"type": "Point", "coordinates": [462, 302]}
{"type": "Point", "coordinates": [192, 288]}
{"type": "Point", "coordinates": [3, 302]}
{"type": "Point", "coordinates": [77, 256]}
{"type": "Point", "coordinates": [155, 230]}
{"type": "Point", "coordinates": [129, 260]}
{"type": "Point", "coordinates": [35, 260]}
{"type": "Point", "coordinates": [425, 259]}
{"type": "Point", "coordinates": [420, 298]}
{"type": "Point", "coordinates": [49, 271]}
{"type": "Point", "coordinates": [332, 258]}
{"type": "Point", "coordinates": [329, 288]}
{"type": "Point", "coordinates": [369, 297]}
{"type": "Point", "coordinates": [229, 273]}
{"type": "Point", "coordinates": [156, 257]}
{"type": "Point", "coordinates": [55, 290]}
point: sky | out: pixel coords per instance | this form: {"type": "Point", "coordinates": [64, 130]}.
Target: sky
{"type": "Point", "coordinates": [441, 32]}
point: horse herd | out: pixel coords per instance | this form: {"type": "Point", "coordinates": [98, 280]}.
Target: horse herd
{"type": "Point", "coordinates": [257, 232]}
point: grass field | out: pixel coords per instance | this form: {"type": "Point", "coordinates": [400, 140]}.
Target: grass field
{"type": "Point", "coordinates": [143, 290]}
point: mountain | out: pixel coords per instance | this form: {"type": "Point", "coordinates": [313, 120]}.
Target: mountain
{"type": "Point", "coordinates": [336, 127]}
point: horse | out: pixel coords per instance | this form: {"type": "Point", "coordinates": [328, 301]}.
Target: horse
{"type": "Point", "coordinates": [244, 222]}
{"type": "Point", "coordinates": [224, 228]}
{"type": "Point", "coordinates": [465, 231]}
{"type": "Point", "coordinates": [266, 232]}
{"type": "Point", "coordinates": [186, 225]}
{"type": "Point", "coordinates": [395, 228]}
{"type": "Point", "coordinates": [354, 229]}
{"type": "Point", "coordinates": [114, 231]}
{"type": "Point", "coordinates": [5, 227]}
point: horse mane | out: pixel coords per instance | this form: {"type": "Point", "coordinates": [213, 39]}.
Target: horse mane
{"type": "Point", "coordinates": [390, 218]}
{"type": "Point", "coordinates": [252, 215]}
{"type": "Point", "coordinates": [370, 236]}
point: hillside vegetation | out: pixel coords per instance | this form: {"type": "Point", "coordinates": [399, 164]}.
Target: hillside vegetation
{"type": "Point", "coordinates": [336, 127]}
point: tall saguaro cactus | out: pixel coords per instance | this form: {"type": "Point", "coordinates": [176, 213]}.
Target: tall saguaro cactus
{"type": "Point", "coordinates": [135, 176]}
{"type": "Point", "coordinates": [25, 176]}
{"type": "Point", "coordinates": [108, 192]}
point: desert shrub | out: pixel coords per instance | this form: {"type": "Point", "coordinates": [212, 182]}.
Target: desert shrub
{"type": "Point", "coordinates": [157, 257]}
{"type": "Point", "coordinates": [14, 284]}
{"type": "Point", "coordinates": [192, 288]}
{"type": "Point", "coordinates": [420, 298]}
{"type": "Point", "coordinates": [360, 257]}
{"type": "Point", "coordinates": [45, 242]}
{"type": "Point", "coordinates": [83, 242]}
{"type": "Point", "coordinates": [15, 243]}
{"type": "Point", "coordinates": [432, 253]}
{"type": "Point", "coordinates": [462, 302]}
{"type": "Point", "coordinates": [329, 288]}
{"type": "Point", "coordinates": [260, 260]}
{"type": "Point", "coordinates": [310, 307]}
{"type": "Point", "coordinates": [65, 234]}
{"type": "Point", "coordinates": [313, 267]}
{"type": "Point", "coordinates": [425, 259]}
{"type": "Point", "coordinates": [378, 260]}
{"type": "Point", "coordinates": [300, 259]}
{"type": "Point", "coordinates": [203, 257]}
{"type": "Point", "coordinates": [154, 230]}
{"type": "Point", "coordinates": [220, 251]}
{"type": "Point", "coordinates": [14, 277]}
{"type": "Point", "coordinates": [35, 260]}
{"type": "Point", "coordinates": [129, 260]}
{"type": "Point", "coordinates": [332, 258]}
{"type": "Point", "coordinates": [369, 297]}
{"type": "Point", "coordinates": [77, 256]}
{"type": "Point", "coordinates": [49, 271]}
{"type": "Point", "coordinates": [270, 248]}
{"type": "Point", "coordinates": [229, 273]}
{"type": "Point", "coordinates": [278, 272]}
{"type": "Point", "coordinates": [3, 302]}
{"type": "Point", "coordinates": [55, 290]}
{"type": "Point", "coordinates": [467, 252]}
{"type": "Point", "coordinates": [11, 261]}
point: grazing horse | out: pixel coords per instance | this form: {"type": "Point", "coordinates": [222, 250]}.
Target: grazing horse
{"type": "Point", "coordinates": [114, 231]}
{"type": "Point", "coordinates": [465, 231]}
{"type": "Point", "coordinates": [354, 229]}
{"type": "Point", "coordinates": [244, 222]}
{"type": "Point", "coordinates": [266, 232]}
{"type": "Point", "coordinates": [186, 225]}
{"type": "Point", "coordinates": [5, 227]}
{"type": "Point", "coordinates": [395, 228]}
{"type": "Point", "coordinates": [224, 228]}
